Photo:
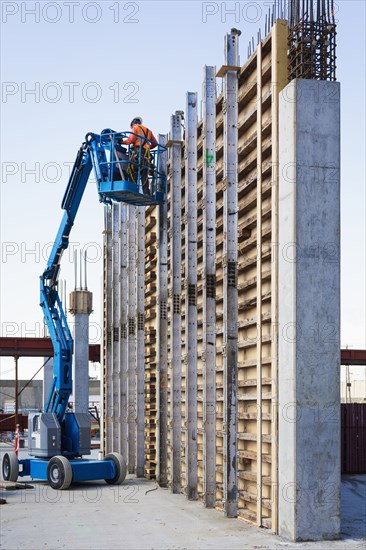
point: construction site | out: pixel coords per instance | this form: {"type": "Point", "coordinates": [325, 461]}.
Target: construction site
{"type": "Point", "coordinates": [220, 396]}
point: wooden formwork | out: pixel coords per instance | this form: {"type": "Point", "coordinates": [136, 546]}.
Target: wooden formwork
{"type": "Point", "coordinates": [212, 391]}
{"type": "Point", "coordinates": [259, 82]}
{"type": "Point", "coordinates": [151, 439]}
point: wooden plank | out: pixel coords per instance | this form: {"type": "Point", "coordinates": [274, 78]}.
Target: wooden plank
{"type": "Point", "coordinates": [225, 68]}
{"type": "Point", "coordinates": [259, 286]}
{"type": "Point", "coordinates": [279, 81]}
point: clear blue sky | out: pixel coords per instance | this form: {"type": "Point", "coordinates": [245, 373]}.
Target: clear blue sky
{"type": "Point", "coordinates": [86, 75]}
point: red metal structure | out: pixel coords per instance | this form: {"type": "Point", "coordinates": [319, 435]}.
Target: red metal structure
{"type": "Point", "coordinates": [353, 415]}
{"type": "Point", "coordinates": [37, 347]}
{"type": "Point", "coordinates": [42, 347]}
{"type": "Point", "coordinates": [32, 347]}
{"type": "Point", "coordinates": [353, 438]}
{"type": "Point", "coordinates": [353, 423]}
{"type": "Point", "coordinates": [7, 422]}
{"type": "Point", "coordinates": [355, 357]}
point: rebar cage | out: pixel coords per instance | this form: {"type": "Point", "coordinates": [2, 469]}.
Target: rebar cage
{"type": "Point", "coordinates": [312, 40]}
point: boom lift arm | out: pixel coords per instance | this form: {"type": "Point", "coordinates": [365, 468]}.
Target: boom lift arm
{"type": "Point", "coordinates": [53, 312]}
{"type": "Point", "coordinates": [92, 154]}
{"type": "Point", "coordinates": [56, 437]}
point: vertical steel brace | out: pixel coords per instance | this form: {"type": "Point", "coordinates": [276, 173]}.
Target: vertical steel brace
{"type": "Point", "coordinates": [230, 275]}
{"type": "Point", "coordinates": [191, 293]}
{"type": "Point", "coordinates": [176, 320]}
{"type": "Point", "coordinates": [162, 328]}
{"type": "Point", "coordinates": [115, 378]}
{"type": "Point", "coordinates": [140, 365]}
{"type": "Point", "coordinates": [123, 330]}
{"type": "Point", "coordinates": [107, 324]}
{"type": "Point", "coordinates": [209, 286]}
{"type": "Point", "coordinates": [132, 339]}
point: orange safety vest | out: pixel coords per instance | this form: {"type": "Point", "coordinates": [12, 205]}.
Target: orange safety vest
{"type": "Point", "coordinates": [144, 133]}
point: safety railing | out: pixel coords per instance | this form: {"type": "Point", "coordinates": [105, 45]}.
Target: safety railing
{"type": "Point", "coordinates": [128, 170]}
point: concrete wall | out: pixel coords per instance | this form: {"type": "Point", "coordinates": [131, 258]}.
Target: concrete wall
{"type": "Point", "coordinates": [32, 396]}
{"type": "Point", "coordinates": [309, 310]}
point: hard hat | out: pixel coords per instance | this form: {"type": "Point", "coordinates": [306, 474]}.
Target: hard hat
{"type": "Point", "coordinates": [136, 120]}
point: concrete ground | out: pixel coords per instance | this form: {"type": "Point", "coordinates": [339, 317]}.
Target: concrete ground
{"type": "Point", "coordinates": [138, 515]}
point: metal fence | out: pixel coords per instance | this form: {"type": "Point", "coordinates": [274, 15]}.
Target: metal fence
{"type": "Point", "coordinates": [353, 438]}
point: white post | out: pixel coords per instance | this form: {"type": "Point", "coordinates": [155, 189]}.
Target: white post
{"type": "Point", "coordinates": [191, 293]}
{"type": "Point", "coordinates": [176, 317]}
{"type": "Point", "coordinates": [107, 333]}
{"type": "Point", "coordinates": [209, 286]}
{"type": "Point", "coordinates": [115, 379]}
{"type": "Point", "coordinates": [230, 266]}
{"type": "Point", "coordinates": [140, 357]}
{"type": "Point", "coordinates": [132, 339]}
{"type": "Point", "coordinates": [162, 333]}
{"type": "Point", "coordinates": [123, 351]}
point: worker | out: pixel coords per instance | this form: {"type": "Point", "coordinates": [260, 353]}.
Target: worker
{"type": "Point", "coordinates": [138, 140]}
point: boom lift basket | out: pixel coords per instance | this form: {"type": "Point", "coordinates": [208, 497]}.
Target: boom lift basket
{"type": "Point", "coordinates": [130, 173]}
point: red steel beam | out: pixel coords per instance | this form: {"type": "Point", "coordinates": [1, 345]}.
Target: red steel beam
{"type": "Point", "coordinates": [353, 357]}
{"type": "Point", "coordinates": [7, 422]}
{"type": "Point", "coordinates": [42, 347]}
{"type": "Point", "coordinates": [37, 347]}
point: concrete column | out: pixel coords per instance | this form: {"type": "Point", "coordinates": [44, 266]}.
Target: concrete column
{"type": "Point", "coordinates": [81, 308]}
{"type": "Point", "coordinates": [309, 310]}
{"type": "Point", "coordinates": [47, 378]}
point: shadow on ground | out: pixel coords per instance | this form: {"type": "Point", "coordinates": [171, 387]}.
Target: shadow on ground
{"type": "Point", "coordinates": [353, 506]}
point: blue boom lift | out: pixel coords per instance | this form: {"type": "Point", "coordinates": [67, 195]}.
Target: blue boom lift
{"type": "Point", "coordinates": [57, 439]}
